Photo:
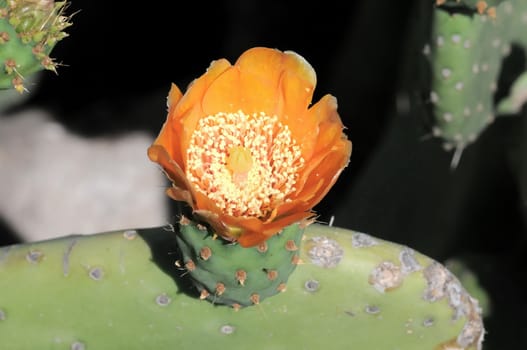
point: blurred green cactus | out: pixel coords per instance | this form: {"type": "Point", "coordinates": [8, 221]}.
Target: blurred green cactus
{"type": "Point", "coordinates": [29, 30]}
{"type": "Point", "coordinates": [124, 289]}
{"type": "Point", "coordinates": [468, 43]}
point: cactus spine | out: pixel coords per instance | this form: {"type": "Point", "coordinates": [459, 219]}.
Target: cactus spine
{"type": "Point", "coordinates": [123, 290]}
{"type": "Point", "coordinates": [29, 29]}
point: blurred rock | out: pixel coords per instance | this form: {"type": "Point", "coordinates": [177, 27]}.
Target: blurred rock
{"type": "Point", "coordinates": [55, 183]}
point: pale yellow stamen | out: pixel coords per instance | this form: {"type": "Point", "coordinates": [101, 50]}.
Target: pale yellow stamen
{"type": "Point", "coordinates": [247, 164]}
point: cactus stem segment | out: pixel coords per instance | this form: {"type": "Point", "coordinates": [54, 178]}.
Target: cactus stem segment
{"type": "Point", "coordinates": [28, 32]}
{"type": "Point", "coordinates": [465, 53]}
{"type": "Point", "coordinates": [231, 274]}
{"type": "Point", "coordinates": [334, 301]}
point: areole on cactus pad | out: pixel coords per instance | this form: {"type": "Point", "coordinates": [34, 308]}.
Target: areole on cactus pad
{"type": "Point", "coordinates": [247, 153]}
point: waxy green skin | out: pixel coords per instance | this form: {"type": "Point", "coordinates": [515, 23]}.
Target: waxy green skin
{"type": "Point", "coordinates": [123, 290]}
{"type": "Point", "coordinates": [465, 54]}
{"type": "Point", "coordinates": [229, 274]}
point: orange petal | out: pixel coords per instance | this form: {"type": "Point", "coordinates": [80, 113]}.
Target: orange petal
{"type": "Point", "coordinates": [286, 220]}
{"type": "Point", "coordinates": [263, 71]}
{"type": "Point", "coordinates": [292, 206]}
{"type": "Point", "coordinates": [159, 154]}
{"type": "Point", "coordinates": [184, 112]}
{"type": "Point", "coordinates": [184, 116]}
{"type": "Point", "coordinates": [199, 86]}
{"type": "Point", "coordinates": [324, 137]}
{"type": "Point", "coordinates": [297, 85]}
{"type": "Point", "coordinates": [325, 174]}
{"type": "Point", "coordinates": [298, 65]}
{"type": "Point", "coordinates": [174, 95]}
{"type": "Point", "coordinates": [185, 128]}
{"type": "Point", "coordinates": [223, 94]}
{"type": "Point", "coordinates": [330, 124]}
{"type": "Point", "coordinates": [260, 74]}
{"type": "Point", "coordinates": [181, 195]}
{"type": "Point", "coordinates": [205, 203]}
{"type": "Point", "coordinates": [252, 238]}
{"type": "Point", "coordinates": [263, 62]}
{"type": "Point", "coordinates": [166, 135]}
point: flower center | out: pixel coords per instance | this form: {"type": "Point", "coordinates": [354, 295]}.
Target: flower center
{"type": "Point", "coordinates": [246, 164]}
{"type": "Point", "coordinates": [239, 162]}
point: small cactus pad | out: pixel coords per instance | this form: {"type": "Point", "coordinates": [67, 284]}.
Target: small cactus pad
{"type": "Point", "coordinates": [469, 41]}
{"type": "Point", "coordinates": [226, 273]}
{"type": "Point", "coordinates": [121, 290]}
{"type": "Point", "coordinates": [29, 30]}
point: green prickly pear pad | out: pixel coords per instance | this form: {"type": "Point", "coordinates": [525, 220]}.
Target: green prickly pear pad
{"type": "Point", "coordinates": [227, 273]}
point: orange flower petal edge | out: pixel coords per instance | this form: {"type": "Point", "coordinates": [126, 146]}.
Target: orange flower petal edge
{"type": "Point", "coordinates": [244, 149]}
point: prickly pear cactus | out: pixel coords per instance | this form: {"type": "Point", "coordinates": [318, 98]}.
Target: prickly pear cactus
{"type": "Point", "coordinates": [468, 43]}
{"type": "Point", "coordinates": [227, 274]}
{"type": "Point", "coordinates": [29, 29]}
{"type": "Point", "coordinates": [125, 290]}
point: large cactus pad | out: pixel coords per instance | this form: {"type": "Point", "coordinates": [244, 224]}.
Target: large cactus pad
{"type": "Point", "coordinates": [121, 290]}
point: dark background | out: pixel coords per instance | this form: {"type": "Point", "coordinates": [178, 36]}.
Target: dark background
{"type": "Point", "coordinates": [120, 60]}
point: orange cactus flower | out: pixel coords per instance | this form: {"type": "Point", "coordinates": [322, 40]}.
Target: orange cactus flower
{"type": "Point", "coordinates": [245, 150]}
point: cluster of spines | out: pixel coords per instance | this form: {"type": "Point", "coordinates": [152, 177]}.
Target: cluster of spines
{"type": "Point", "coordinates": [226, 273]}
{"type": "Point", "coordinates": [28, 32]}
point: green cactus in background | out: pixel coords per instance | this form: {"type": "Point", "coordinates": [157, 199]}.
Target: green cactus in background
{"type": "Point", "coordinates": [29, 29]}
{"type": "Point", "coordinates": [124, 289]}
{"type": "Point", "coordinates": [468, 43]}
